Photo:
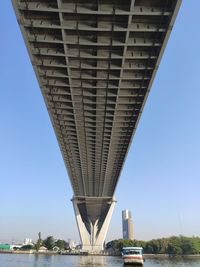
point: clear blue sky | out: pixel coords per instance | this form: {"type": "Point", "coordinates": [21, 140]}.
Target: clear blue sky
{"type": "Point", "coordinates": [160, 182]}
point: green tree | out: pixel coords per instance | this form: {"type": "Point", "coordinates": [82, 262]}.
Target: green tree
{"type": "Point", "coordinates": [148, 248]}
{"type": "Point", "coordinates": [27, 247]}
{"type": "Point", "coordinates": [174, 246]}
{"type": "Point", "coordinates": [49, 242]}
{"type": "Point", "coordinates": [163, 245]}
{"type": "Point", "coordinates": [62, 244]}
{"type": "Point", "coordinates": [39, 242]}
{"type": "Point", "coordinates": [196, 245]}
{"type": "Point", "coordinates": [189, 245]}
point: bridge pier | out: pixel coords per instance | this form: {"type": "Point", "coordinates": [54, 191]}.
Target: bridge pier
{"type": "Point", "coordinates": [93, 229]}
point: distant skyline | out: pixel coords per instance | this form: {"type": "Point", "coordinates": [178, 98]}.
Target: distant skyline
{"type": "Point", "coordinates": [160, 181]}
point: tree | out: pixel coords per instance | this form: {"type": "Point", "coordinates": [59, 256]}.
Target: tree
{"type": "Point", "coordinates": [189, 245]}
{"type": "Point", "coordinates": [62, 244]}
{"type": "Point", "coordinates": [49, 242]}
{"type": "Point", "coordinates": [174, 246]}
{"type": "Point", "coordinates": [156, 246]}
{"type": "Point", "coordinates": [27, 247]}
{"type": "Point", "coordinates": [39, 242]}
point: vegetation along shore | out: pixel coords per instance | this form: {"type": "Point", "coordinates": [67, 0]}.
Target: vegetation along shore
{"type": "Point", "coordinates": [162, 247]}
{"type": "Point", "coordinates": [175, 245]}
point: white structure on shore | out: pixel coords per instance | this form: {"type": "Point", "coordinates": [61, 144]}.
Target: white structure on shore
{"type": "Point", "coordinates": [28, 241]}
{"type": "Point", "coordinates": [72, 243]}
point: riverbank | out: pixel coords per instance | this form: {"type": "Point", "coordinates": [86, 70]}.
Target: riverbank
{"type": "Point", "coordinates": [166, 256]}
{"type": "Point", "coordinates": [72, 253]}
{"type": "Point", "coordinates": [79, 253]}
{"type": "Point", "coordinates": [27, 252]}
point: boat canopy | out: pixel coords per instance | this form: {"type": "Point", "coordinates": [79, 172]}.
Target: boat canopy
{"type": "Point", "coordinates": [132, 248]}
{"type": "Point", "coordinates": [132, 251]}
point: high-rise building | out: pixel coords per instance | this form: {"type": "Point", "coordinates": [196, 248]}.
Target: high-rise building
{"type": "Point", "coordinates": [127, 225]}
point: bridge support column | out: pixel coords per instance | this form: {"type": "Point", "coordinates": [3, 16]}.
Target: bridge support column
{"type": "Point", "coordinates": [100, 239]}
{"type": "Point", "coordinates": [92, 232]}
{"type": "Point", "coordinates": [83, 233]}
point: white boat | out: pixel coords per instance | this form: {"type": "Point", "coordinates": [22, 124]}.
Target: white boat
{"type": "Point", "coordinates": [133, 255]}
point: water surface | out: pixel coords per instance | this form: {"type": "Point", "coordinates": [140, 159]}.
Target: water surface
{"type": "Point", "coordinates": [15, 260]}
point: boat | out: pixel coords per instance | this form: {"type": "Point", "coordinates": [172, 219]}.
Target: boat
{"type": "Point", "coordinates": [133, 255]}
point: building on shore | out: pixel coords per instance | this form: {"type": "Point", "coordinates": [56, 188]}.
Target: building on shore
{"type": "Point", "coordinates": [72, 243]}
{"type": "Point", "coordinates": [4, 247]}
{"type": "Point", "coordinates": [127, 225]}
{"type": "Point", "coordinates": [28, 241]}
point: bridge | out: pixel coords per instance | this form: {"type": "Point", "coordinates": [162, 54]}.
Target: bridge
{"type": "Point", "coordinates": [95, 61]}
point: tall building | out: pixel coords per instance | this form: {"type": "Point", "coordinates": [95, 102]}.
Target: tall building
{"type": "Point", "coordinates": [127, 225]}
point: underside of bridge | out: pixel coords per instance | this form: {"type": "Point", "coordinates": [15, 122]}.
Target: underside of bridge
{"type": "Point", "coordinates": [95, 61]}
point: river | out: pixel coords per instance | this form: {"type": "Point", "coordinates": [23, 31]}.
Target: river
{"type": "Point", "coordinates": [21, 260]}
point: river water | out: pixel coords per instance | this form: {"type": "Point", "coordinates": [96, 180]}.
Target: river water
{"type": "Point", "coordinates": [15, 260]}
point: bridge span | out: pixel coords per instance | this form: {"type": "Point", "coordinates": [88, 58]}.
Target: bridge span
{"type": "Point", "coordinates": [95, 61]}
